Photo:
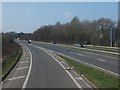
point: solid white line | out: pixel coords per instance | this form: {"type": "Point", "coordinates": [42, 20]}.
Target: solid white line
{"type": "Point", "coordinates": [21, 68]}
{"type": "Point", "coordinates": [88, 64]}
{"type": "Point", "coordinates": [77, 84]}
{"type": "Point", "coordinates": [16, 78]}
{"type": "Point", "coordinates": [24, 62]}
{"type": "Point", "coordinates": [101, 60]}
{"type": "Point", "coordinates": [29, 71]}
{"type": "Point", "coordinates": [74, 80]}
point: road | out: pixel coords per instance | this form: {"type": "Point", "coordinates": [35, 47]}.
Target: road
{"type": "Point", "coordinates": [37, 69]}
{"type": "Point", "coordinates": [104, 63]}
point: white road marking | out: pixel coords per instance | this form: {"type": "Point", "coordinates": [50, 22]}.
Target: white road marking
{"type": "Point", "coordinates": [101, 60]}
{"type": "Point", "coordinates": [16, 78]}
{"type": "Point", "coordinates": [78, 78]}
{"type": "Point", "coordinates": [64, 50]}
{"type": "Point", "coordinates": [89, 64]}
{"type": "Point", "coordinates": [24, 62]}
{"type": "Point", "coordinates": [80, 54]}
{"type": "Point", "coordinates": [68, 68]}
{"type": "Point", "coordinates": [74, 80]}
{"type": "Point", "coordinates": [21, 68]}
{"type": "Point", "coordinates": [29, 71]}
{"type": "Point", "coordinates": [62, 62]}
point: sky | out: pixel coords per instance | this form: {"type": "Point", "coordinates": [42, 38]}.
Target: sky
{"type": "Point", "coordinates": [28, 16]}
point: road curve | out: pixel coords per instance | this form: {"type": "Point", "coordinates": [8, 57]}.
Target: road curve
{"type": "Point", "coordinates": [39, 69]}
{"type": "Point", "coordinates": [105, 63]}
{"type": "Point", "coordinates": [46, 72]}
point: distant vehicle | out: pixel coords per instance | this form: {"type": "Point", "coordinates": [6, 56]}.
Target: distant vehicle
{"type": "Point", "coordinates": [17, 38]}
{"type": "Point", "coordinates": [81, 45]}
{"type": "Point", "coordinates": [53, 42]}
{"type": "Point", "coordinates": [29, 41]}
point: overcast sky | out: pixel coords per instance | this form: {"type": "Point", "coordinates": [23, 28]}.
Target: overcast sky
{"type": "Point", "coordinates": [28, 16]}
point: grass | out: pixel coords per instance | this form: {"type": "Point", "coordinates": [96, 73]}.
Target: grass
{"type": "Point", "coordinates": [11, 60]}
{"type": "Point", "coordinates": [98, 78]}
{"type": "Point", "coordinates": [0, 72]}
{"type": "Point", "coordinates": [85, 50]}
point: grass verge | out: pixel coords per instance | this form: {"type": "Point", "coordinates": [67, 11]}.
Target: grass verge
{"type": "Point", "coordinates": [69, 46]}
{"type": "Point", "coordinates": [98, 78]}
{"type": "Point", "coordinates": [11, 60]}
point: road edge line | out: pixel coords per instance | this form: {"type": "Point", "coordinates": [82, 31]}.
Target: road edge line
{"type": "Point", "coordinates": [73, 79]}
{"type": "Point", "coordinates": [29, 71]}
{"type": "Point", "coordinates": [90, 64]}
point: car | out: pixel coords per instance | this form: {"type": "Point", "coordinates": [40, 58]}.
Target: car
{"type": "Point", "coordinates": [81, 45]}
{"type": "Point", "coordinates": [53, 42]}
{"type": "Point", "coordinates": [29, 41]}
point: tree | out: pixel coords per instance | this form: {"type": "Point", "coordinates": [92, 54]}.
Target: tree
{"type": "Point", "coordinates": [104, 26]}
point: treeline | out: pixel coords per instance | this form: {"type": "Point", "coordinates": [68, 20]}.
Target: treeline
{"type": "Point", "coordinates": [96, 32]}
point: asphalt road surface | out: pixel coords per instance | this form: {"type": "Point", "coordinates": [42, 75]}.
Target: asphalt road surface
{"type": "Point", "coordinates": [37, 69]}
{"type": "Point", "coordinates": [47, 73]}
{"type": "Point", "coordinates": [105, 63]}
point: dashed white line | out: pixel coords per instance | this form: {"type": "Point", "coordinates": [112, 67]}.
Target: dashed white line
{"type": "Point", "coordinates": [21, 68]}
{"type": "Point", "coordinates": [16, 78]}
{"type": "Point", "coordinates": [89, 64]}
{"type": "Point", "coordinates": [101, 60]}
{"type": "Point", "coordinates": [64, 50]}
{"type": "Point", "coordinates": [80, 54]}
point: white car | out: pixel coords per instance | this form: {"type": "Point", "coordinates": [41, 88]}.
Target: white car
{"type": "Point", "coordinates": [29, 41]}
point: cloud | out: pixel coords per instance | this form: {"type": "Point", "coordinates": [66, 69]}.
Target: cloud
{"type": "Point", "coordinates": [68, 14]}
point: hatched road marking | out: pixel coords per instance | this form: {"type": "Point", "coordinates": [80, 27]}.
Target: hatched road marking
{"type": "Point", "coordinates": [25, 62]}
{"type": "Point", "coordinates": [22, 68]}
{"type": "Point", "coordinates": [16, 78]}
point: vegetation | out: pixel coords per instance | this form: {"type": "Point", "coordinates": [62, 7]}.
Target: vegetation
{"type": "Point", "coordinates": [10, 52]}
{"type": "Point", "coordinates": [96, 32]}
{"type": "Point", "coordinates": [98, 78]}
{"type": "Point", "coordinates": [96, 52]}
